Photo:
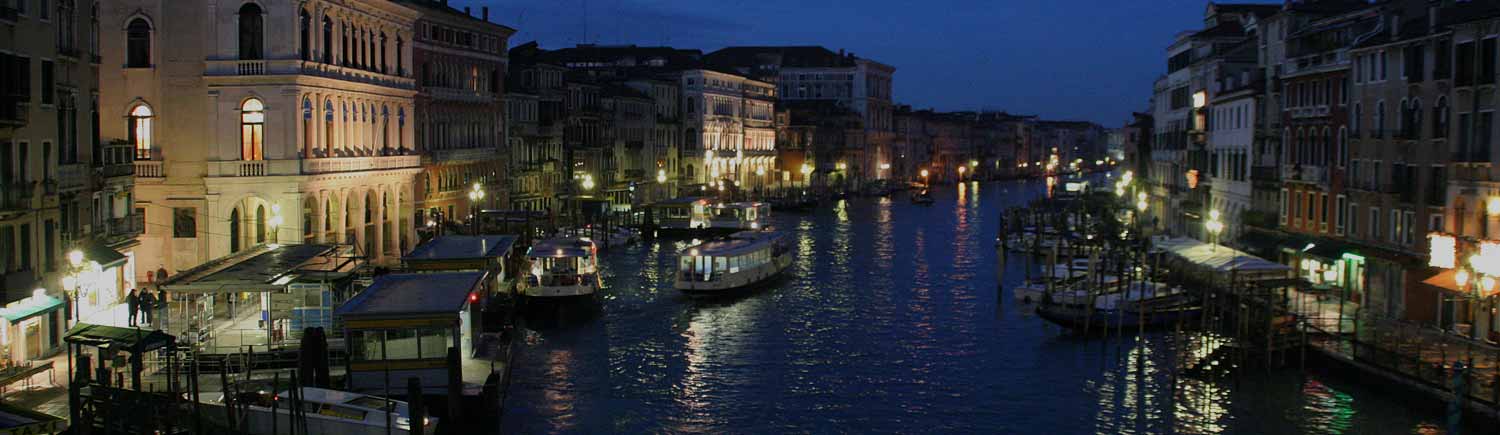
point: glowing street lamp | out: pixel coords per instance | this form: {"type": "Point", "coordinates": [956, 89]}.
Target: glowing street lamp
{"type": "Point", "coordinates": [661, 175]}
{"type": "Point", "coordinates": [588, 182]}
{"type": "Point", "coordinates": [842, 166]}
{"type": "Point", "coordinates": [1214, 227]}
{"type": "Point", "coordinates": [476, 194]}
{"type": "Point", "coordinates": [1140, 202]}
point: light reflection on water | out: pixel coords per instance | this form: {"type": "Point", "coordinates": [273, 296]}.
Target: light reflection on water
{"type": "Point", "coordinates": [891, 321]}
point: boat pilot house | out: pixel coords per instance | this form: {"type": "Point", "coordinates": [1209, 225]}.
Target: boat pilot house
{"type": "Point", "coordinates": [403, 325]}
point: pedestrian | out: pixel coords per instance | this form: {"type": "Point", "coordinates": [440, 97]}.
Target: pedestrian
{"type": "Point", "coordinates": [132, 303]}
{"type": "Point", "coordinates": [161, 306]}
{"type": "Point", "coordinates": [148, 301]}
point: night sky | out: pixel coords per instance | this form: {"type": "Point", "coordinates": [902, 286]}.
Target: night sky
{"type": "Point", "coordinates": [1063, 59]}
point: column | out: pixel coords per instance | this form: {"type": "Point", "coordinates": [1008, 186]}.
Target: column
{"type": "Point", "coordinates": [395, 213]}
{"type": "Point", "coordinates": [376, 213]}
{"type": "Point", "coordinates": [320, 215]}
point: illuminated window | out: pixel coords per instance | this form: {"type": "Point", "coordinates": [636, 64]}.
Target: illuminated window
{"type": "Point", "coordinates": [140, 131]}
{"type": "Point", "coordinates": [252, 128]}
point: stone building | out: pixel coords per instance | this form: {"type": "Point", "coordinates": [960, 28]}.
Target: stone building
{"type": "Point", "coordinates": [265, 122]}
{"type": "Point", "coordinates": [460, 65]}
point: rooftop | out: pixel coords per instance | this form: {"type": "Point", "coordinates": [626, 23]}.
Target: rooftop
{"type": "Point", "coordinates": [564, 247]}
{"type": "Point", "coordinates": [462, 248]}
{"type": "Point", "coordinates": [413, 294]}
{"type": "Point", "coordinates": [251, 270]}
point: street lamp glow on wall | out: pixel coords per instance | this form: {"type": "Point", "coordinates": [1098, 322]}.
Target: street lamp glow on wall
{"type": "Point", "coordinates": [661, 175]}
{"type": "Point", "coordinates": [1442, 250]}
{"type": "Point", "coordinates": [1492, 206]}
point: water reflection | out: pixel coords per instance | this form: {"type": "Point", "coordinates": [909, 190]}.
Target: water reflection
{"type": "Point", "coordinates": [890, 321]}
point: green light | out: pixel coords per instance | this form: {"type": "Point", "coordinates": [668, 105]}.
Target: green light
{"type": "Point", "coordinates": [1353, 257]}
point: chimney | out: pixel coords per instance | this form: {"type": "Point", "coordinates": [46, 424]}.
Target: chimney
{"type": "Point", "coordinates": [466, 11]}
{"type": "Point", "coordinates": [484, 12]}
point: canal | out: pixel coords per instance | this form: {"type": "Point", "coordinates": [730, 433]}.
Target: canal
{"type": "Point", "coordinates": [892, 321]}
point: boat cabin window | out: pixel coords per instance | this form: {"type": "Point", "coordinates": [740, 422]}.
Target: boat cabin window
{"type": "Point", "coordinates": [400, 344]}
{"type": "Point", "coordinates": [336, 411]}
{"type": "Point", "coordinates": [374, 403]}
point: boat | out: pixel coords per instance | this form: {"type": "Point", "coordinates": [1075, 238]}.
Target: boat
{"type": "Point", "coordinates": [1140, 305]}
{"type": "Point", "coordinates": [739, 216]}
{"type": "Point", "coordinates": [561, 268]}
{"type": "Point", "coordinates": [743, 260]}
{"type": "Point", "coordinates": [681, 214]}
{"type": "Point", "coordinates": [327, 411]}
{"type": "Point", "coordinates": [922, 198]}
{"type": "Point", "coordinates": [794, 202]}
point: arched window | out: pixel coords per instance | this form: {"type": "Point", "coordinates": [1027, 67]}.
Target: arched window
{"type": "Point", "coordinates": [252, 129]}
{"type": "Point", "coordinates": [138, 44]}
{"type": "Point", "coordinates": [309, 139]}
{"type": "Point", "coordinates": [400, 65]}
{"type": "Point", "coordinates": [327, 125]}
{"type": "Point", "coordinates": [234, 230]}
{"type": "Point", "coordinates": [327, 40]}
{"type": "Point", "coordinates": [385, 128]}
{"type": "Point", "coordinates": [344, 53]}
{"type": "Point", "coordinates": [140, 131]}
{"type": "Point", "coordinates": [304, 27]}
{"type": "Point", "coordinates": [1440, 115]}
{"type": "Point", "coordinates": [401, 128]}
{"type": "Point", "coordinates": [260, 224]}
{"type": "Point", "coordinates": [1380, 118]}
{"type": "Point", "coordinates": [1416, 119]}
{"type": "Point", "coordinates": [382, 53]}
{"type": "Point", "coordinates": [252, 32]}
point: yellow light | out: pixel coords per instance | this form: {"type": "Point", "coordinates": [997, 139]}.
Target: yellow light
{"type": "Point", "coordinates": [973, 163]}
{"type": "Point", "coordinates": [661, 175]}
{"type": "Point", "coordinates": [961, 169]}
{"type": "Point", "coordinates": [1200, 99]}
{"type": "Point", "coordinates": [1488, 260]}
{"type": "Point", "coordinates": [1442, 250]}
{"type": "Point", "coordinates": [842, 166]}
{"type": "Point", "coordinates": [1141, 205]}
{"type": "Point", "coordinates": [708, 155]}
{"type": "Point", "coordinates": [884, 166]}
{"type": "Point", "coordinates": [1213, 214]}
{"type": "Point", "coordinates": [1487, 283]}
{"type": "Point", "coordinates": [1493, 206]}
{"type": "Point", "coordinates": [1461, 278]}
{"type": "Point", "coordinates": [1141, 196]}
{"type": "Point", "coordinates": [806, 169]}
{"type": "Point", "coordinates": [924, 173]}
{"type": "Point", "coordinates": [76, 257]}
{"type": "Point", "coordinates": [1127, 176]}
{"type": "Point", "coordinates": [760, 170]}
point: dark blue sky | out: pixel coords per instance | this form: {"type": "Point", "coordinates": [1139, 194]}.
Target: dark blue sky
{"type": "Point", "coordinates": [1063, 59]}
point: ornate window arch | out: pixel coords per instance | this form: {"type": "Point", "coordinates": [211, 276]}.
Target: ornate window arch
{"type": "Point", "coordinates": [252, 129]}
{"type": "Point", "coordinates": [252, 32]}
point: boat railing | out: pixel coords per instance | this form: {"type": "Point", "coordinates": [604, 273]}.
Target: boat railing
{"type": "Point", "coordinates": [561, 279]}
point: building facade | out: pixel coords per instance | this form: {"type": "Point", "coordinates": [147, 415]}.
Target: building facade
{"type": "Point", "coordinates": [460, 63]}
{"type": "Point", "coordinates": [245, 136]}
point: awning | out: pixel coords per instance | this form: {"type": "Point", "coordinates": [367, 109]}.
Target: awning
{"type": "Point", "coordinates": [1217, 258]}
{"type": "Point", "coordinates": [106, 257]}
{"type": "Point", "coordinates": [1445, 280]}
{"type": "Point", "coordinates": [30, 307]}
{"type": "Point", "coordinates": [134, 340]}
{"type": "Point", "coordinates": [261, 269]}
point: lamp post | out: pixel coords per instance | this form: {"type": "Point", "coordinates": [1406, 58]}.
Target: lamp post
{"type": "Point", "coordinates": [72, 282]}
{"type": "Point", "coordinates": [924, 177]}
{"type": "Point", "coordinates": [661, 182]}
{"type": "Point", "coordinates": [476, 194]}
{"type": "Point", "coordinates": [1214, 227]}
{"type": "Point", "coordinates": [961, 170]}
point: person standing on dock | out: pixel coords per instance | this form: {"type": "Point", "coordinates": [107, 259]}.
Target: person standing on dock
{"type": "Point", "coordinates": [147, 306]}
{"type": "Point", "coordinates": [132, 304]}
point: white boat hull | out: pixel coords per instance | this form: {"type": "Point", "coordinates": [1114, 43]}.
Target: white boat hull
{"type": "Point", "coordinates": [559, 291]}
{"type": "Point", "coordinates": [738, 280]}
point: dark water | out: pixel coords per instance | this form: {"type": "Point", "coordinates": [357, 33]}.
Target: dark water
{"type": "Point", "coordinates": [892, 321]}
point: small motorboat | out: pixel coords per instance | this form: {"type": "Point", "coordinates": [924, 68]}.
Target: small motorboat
{"type": "Point", "coordinates": [922, 198]}
{"type": "Point", "coordinates": [325, 411]}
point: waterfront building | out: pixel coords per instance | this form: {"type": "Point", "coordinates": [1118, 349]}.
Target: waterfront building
{"type": "Point", "coordinates": [729, 138]}
{"type": "Point", "coordinates": [1231, 133]}
{"type": "Point", "coordinates": [63, 190]}
{"type": "Point", "coordinates": [265, 123]}
{"type": "Point", "coordinates": [812, 73]}
{"type": "Point", "coordinates": [534, 102]}
{"type": "Point", "coordinates": [459, 118]}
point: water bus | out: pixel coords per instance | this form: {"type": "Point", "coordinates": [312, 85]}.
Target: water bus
{"type": "Point", "coordinates": [562, 268]}
{"type": "Point", "coordinates": [744, 260]}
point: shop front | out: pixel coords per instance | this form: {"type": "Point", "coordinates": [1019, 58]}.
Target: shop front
{"type": "Point", "coordinates": [33, 329]}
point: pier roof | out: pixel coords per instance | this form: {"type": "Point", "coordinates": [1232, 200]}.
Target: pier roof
{"type": "Point", "coordinates": [1216, 258]}
{"type": "Point", "coordinates": [462, 248]}
{"type": "Point", "coordinates": [409, 294]}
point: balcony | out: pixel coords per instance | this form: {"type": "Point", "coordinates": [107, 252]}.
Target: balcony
{"type": "Point", "coordinates": [125, 227]}
{"type": "Point", "coordinates": [1309, 112]}
{"type": "Point", "coordinates": [148, 169]}
{"type": "Point", "coordinates": [465, 155]}
{"type": "Point", "coordinates": [237, 68]}
{"type": "Point", "coordinates": [357, 164]}
{"type": "Point", "coordinates": [14, 111]}
{"type": "Point", "coordinates": [71, 177]}
{"type": "Point", "coordinates": [1304, 173]}
{"type": "Point", "coordinates": [16, 197]}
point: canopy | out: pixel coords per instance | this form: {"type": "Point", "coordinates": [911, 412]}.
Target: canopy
{"type": "Point", "coordinates": [413, 294]}
{"type": "Point", "coordinates": [106, 256]}
{"type": "Point", "coordinates": [134, 340]}
{"type": "Point", "coordinates": [30, 307]}
{"type": "Point", "coordinates": [1216, 258]}
{"type": "Point", "coordinates": [462, 248]}
{"type": "Point", "coordinates": [253, 271]}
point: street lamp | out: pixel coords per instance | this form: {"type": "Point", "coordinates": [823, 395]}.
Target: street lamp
{"type": "Point", "coordinates": [588, 182]}
{"type": "Point", "coordinates": [476, 194]}
{"type": "Point", "coordinates": [72, 282]}
{"type": "Point", "coordinates": [1140, 202]}
{"type": "Point", "coordinates": [1214, 227]}
{"type": "Point", "coordinates": [275, 224]}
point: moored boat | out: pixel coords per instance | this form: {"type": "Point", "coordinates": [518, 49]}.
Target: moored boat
{"type": "Point", "coordinates": [326, 411]}
{"type": "Point", "coordinates": [1139, 304]}
{"type": "Point", "coordinates": [560, 268]}
{"type": "Point", "coordinates": [744, 260]}
{"type": "Point", "coordinates": [922, 198]}
{"type": "Point", "coordinates": [739, 216]}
